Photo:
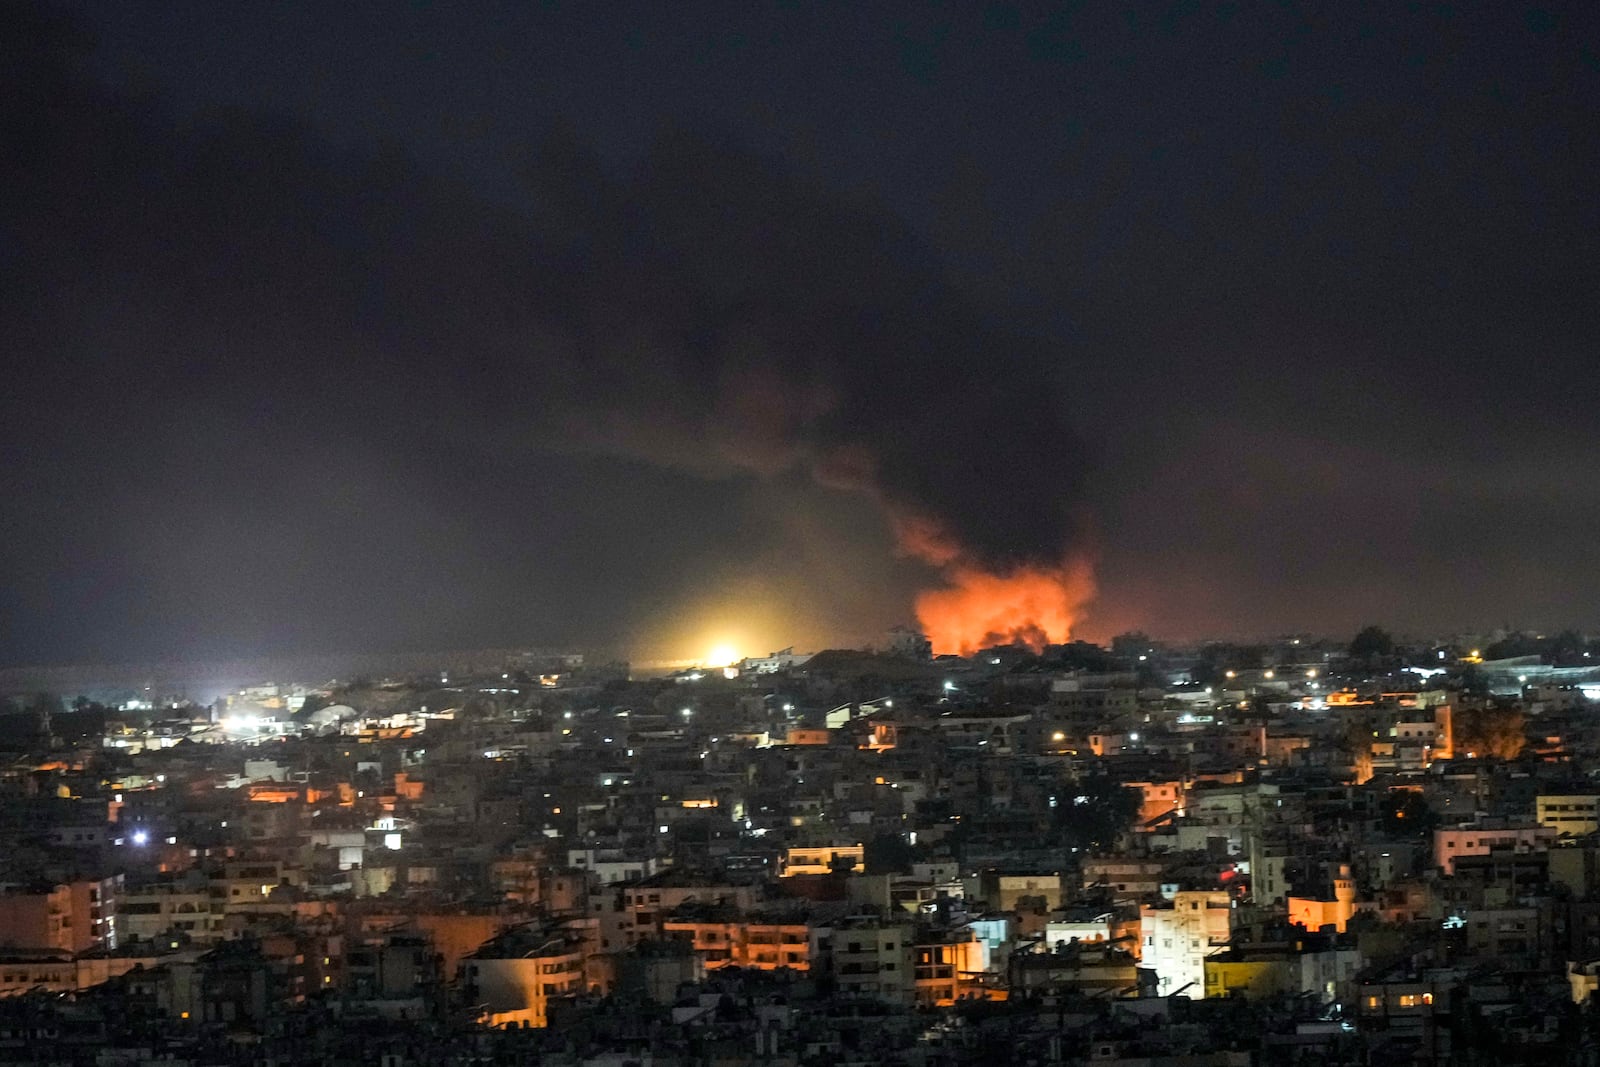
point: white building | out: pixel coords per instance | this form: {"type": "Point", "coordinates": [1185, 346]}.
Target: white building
{"type": "Point", "coordinates": [1178, 937]}
{"type": "Point", "coordinates": [782, 660]}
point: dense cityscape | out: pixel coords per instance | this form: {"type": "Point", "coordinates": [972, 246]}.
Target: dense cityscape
{"type": "Point", "coordinates": [1371, 850]}
{"type": "Point", "coordinates": [598, 533]}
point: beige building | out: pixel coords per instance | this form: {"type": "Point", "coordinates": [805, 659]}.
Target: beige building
{"type": "Point", "coordinates": [516, 980]}
{"type": "Point", "coordinates": [1569, 815]}
{"type": "Point", "coordinates": [70, 917]}
{"type": "Point", "coordinates": [822, 859]}
{"type": "Point", "coordinates": [1475, 840]}
{"type": "Point", "coordinates": [867, 959]}
{"type": "Point", "coordinates": [154, 911]}
{"type": "Point", "coordinates": [744, 941]}
{"type": "Point", "coordinates": [1333, 909]}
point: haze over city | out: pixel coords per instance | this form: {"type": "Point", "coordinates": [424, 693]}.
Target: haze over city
{"type": "Point", "coordinates": [384, 329]}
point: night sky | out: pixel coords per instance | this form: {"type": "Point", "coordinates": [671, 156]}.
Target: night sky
{"type": "Point", "coordinates": [639, 327]}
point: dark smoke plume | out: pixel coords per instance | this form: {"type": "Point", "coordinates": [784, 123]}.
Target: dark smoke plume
{"type": "Point", "coordinates": [701, 308]}
{"type": "Point", "coordinates": [728, 313]}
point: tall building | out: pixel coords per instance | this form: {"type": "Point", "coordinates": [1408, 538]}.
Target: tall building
{"type": "Point", "coordinates": [71, 917]}
{"type": "Point", "coordinates": [1178, 936]}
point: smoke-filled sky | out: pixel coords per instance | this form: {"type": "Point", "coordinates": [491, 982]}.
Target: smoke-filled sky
{"type": "Point", "coordinates": [640, 328]}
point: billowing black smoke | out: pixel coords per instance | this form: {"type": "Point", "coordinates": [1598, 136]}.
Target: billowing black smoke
{"type": "Point", "coordinates": [222, 297]}
{"type": "Point", "coordinates": [723, 312]}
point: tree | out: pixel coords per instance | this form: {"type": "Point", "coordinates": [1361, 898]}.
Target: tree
{"type": "Point", "coordinates": [1215, 660]}
{"type": "Point", "coordinates": [888, 854]}
{"type": "Point", "coordinates": [1566, 649]}
{"type": "Point", "coordinates": [1407, 815]}
{"type": "Point", "coordinates": [1515, 646]}
{"type": "Point", "coordinates": [1373, 642]}
{"type": "Point", "coordinates": [1092, 813]}
{"type": "Point", "coordinates": [1491, 731]}
{"type": "Point", "coordinates": [1356, 740]}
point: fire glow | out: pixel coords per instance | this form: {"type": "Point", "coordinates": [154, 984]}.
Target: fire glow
{"type": "Point", "coordinates": [1032, 606]}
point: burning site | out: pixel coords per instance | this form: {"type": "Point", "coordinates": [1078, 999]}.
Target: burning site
{"type": "Point", "coordinates": [837, 345]}
{"type": "Point", "coordinates": [1032, 606]}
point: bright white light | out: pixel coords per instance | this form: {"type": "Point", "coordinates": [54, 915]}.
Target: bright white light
{"type": "Point", "coordinates": [722, 656]}
{"type": "Point", "coordinates": [140, 837]}
{"type": "Point", "coordinates": [949, 686]}
{"type": "Point", "coordinates": [687, 712]}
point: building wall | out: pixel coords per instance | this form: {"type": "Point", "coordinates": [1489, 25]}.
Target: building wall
{"type": "Point", "coordinates": [1252, 978]}
{"type": "Point", "coordinates": [1177, 939]}
{"type": "Point", "coordinates": [946, 972]}
{"type": "Point", "coordinates": [517, 992]}
{"type": "Point", "coordinates": [868, 960]}
{"type": "Point", "coordinates": [634, 912]}
{"type": "Point", "coordinates": [763, 946]}
{"type": "Point", "coordinates": [819, 860]}
{"type": "Point", "coordinates": [1314, 914]}
{"type": "Point", "coordinates": [1480, 841]}
{"type": "Point", "coordinates": [1568, 814]}
{"type": "Point", "coordinates": [72, 917]}
{"type": "Point", "coordinates": [158, 911]}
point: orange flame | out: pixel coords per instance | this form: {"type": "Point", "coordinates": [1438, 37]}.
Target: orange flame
{"type": "Point", "coordinates": [1033, 606]}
